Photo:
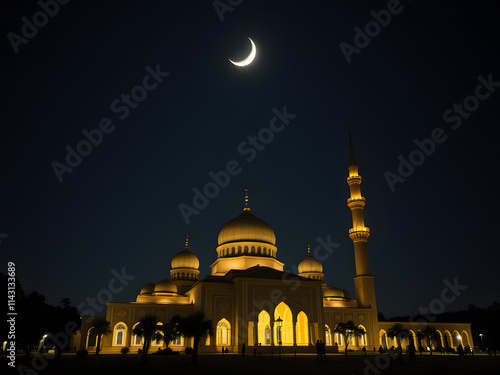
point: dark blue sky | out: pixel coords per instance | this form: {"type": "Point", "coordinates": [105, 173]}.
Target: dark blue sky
{"type": "Point", "coordinates": [119, 206]}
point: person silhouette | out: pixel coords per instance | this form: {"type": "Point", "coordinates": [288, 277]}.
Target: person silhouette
{"type": "Point", "coordinates": [380, 349]}
{"type": "Point", "coordinates": [364, 350]}
{"type": "Point", "coordinates": [222, 350]}
{"type": "Point", "coordinates": [322, 351]}
{"type": "Point", "coordinates": [411, 351]}
{"type": "Point", "coordinates": [318, 351]}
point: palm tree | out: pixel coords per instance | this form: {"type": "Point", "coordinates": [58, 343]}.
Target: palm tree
{"type": "Point", "coordinates": [195, 326]}
{"type": "Point", "coordinates": [147, 329]}
{"type": "Point", "coordinates": [398, 331]}
{"type": "Point", "coordinates": [348, 330]}
{"type": "Point", "coordinates": [101, 328]}
{"type": "Point", "coordinates": [430, 334]}
{"type": "Point", "coordinates": [170, 331]}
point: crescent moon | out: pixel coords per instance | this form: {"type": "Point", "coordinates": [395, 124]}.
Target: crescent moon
{"type": "Point", "coordinates": [250, 57]}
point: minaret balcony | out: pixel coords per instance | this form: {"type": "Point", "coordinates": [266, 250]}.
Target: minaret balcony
{"type": "Point", "coordinates": [356, 202]}
{"type": "Point", "coordinates": [354, 180]}
{"type": "Point", "coordinates": [360, 234]}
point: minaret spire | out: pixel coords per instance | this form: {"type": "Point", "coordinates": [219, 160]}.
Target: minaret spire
{"type": "Point", "coordinates": [352, 157]}
{"type": "Point", "coordinates": [365, 290]}
{"type": "Point", "coordinates": [246, 208]}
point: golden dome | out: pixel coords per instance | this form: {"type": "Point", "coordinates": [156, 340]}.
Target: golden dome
{"type": "Point", "coordinates": [246, 227]}
{"type": "Point", "coordinates": [165, 286]}
{"type": "Point", "coordinates": [185, 259]}
{"type": "Point", "coordinates": [310, 264]}
{"type": "Point", "coordinates": [148, 288]}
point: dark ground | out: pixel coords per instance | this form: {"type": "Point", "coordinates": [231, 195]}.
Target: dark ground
{"type": "Point", "coordinates": [234, 364]}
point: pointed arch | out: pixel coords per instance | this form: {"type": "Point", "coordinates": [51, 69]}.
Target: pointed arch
{"type": "Point", "coordinates": [456, 340]}
{"type": "Point", "coordinates": [286, 330]}
{"type": "Point", "coordinates": [465, 339]}
{"type": "Point", "coordinates": [223, 332]}
{"type": "Point", "coordinates": [448, 343]}
{"type": "Point", "coordinates": [328, 336]}
{"type": "Point", "coordinates": [119, 334]}
{"type": "Point", "coordinates": [362, 339]}
{"type": "Point", "coordinates": [439, 342]}
{"type": "Point", "coordinates": [383, 338]}
{"type": "Point", "coordinates": [302, 329]}
{"type": "Point", "coordinates": [413, 337]}
{"type": "Point", "coordinates": [264, 328]}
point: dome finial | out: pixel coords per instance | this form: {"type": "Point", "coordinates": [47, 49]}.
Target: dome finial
{"type": "Point", "coordinates": [308, 250]}
{"type": "Point", "coordinates": [187, 241]}
{"type": "Point", "coordinates": [246, 201]}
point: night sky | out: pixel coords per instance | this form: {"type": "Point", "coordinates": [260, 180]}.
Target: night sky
{"type": "Point", "coordinates": [120, 206]}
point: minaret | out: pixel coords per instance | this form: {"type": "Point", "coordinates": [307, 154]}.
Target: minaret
{"type": "Point", "coordinates": [363, 282]}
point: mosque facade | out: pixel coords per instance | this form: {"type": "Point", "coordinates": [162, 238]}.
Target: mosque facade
{"type": "Point", "coordinates": [252, 300]}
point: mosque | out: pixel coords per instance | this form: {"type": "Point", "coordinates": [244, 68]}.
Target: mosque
{"type": "Point", "coordinates": [251, 300]}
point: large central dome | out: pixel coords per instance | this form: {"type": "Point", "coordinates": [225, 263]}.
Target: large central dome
{"type": "Point", "coordinates": [246, 227]}
{"type": "Point", "coordinates": [245, 242]}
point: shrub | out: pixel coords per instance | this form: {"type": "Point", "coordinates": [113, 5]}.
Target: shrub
{"type": "Point", "coordinates": [189, 350]}
{"type": "Point", "coordinates": [125, 350]}
{"type": "Point", "coordinates": [139, 351]}
{"type": "Point", "coordinates": [82, 353]}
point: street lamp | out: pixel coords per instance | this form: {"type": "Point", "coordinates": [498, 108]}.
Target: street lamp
{"type": "Point", "coordinates": [482, 342]}
{"type": "Point", "coordinates": [459, 339]}
{"type": "Point", "coordinates": [279, 322]}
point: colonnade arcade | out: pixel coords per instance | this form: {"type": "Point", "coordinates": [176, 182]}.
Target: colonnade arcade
{"type": "Point", "coordinates": [445, 339]}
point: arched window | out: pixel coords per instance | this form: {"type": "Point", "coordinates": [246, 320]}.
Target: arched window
{"type": "Point", "coordinates": [223, 332]}
{"type": "Point", "coordinates": [302, 329]}
{"type": "Point", "coordinates": [119, 334]}
{"type": "Point", "coordinates": [263, 329]}
{"type": "Point", "coordinates": [136, 340]}
{"type": "Point", "coordinates": [328, 335]}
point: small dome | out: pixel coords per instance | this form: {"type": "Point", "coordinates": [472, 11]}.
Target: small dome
{"type": "Point", "coordinates": [148, 288]}
{"type": "Point", "coordinates": [333, 292]}
{"type": "Point", "coordinates": [185, 259]}
{"type": "Point", "coordinates": [310, 264]}
{"type": "Point", "coordinates": [165, 286]}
